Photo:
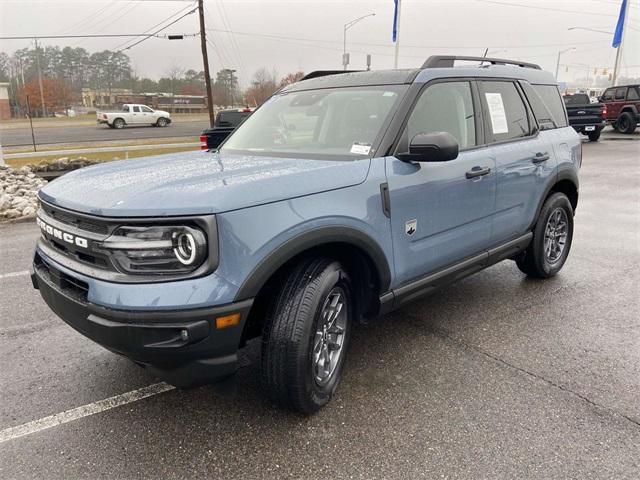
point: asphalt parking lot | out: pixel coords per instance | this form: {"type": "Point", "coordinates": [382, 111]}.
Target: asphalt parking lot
{"type": "Point", "coordinates": [497, 376]}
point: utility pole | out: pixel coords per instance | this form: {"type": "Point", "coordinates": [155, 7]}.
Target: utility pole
{"type": "Point", "coordinates": [205, 60]}
{"type": "Point", "coordinates": [44, 107]}
{"type": "Point", "coordinates": [616, 66]}
{"type": "Point", "coordinates": [558, 62]}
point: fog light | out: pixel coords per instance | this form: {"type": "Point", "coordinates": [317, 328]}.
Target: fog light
{"type": "Point", "coordinates": [184, 335]}
{"type": "Point", "coordinates": [228, 320]}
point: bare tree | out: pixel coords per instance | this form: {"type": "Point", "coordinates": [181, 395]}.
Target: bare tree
{"type": "Point", "coordinates": [174, 73]}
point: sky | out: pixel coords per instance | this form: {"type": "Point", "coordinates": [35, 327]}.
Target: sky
{"type": "Point", "coordinates": [306, 35]}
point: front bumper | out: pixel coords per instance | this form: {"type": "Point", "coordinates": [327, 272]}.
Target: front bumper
{"type": "Point", "coordinates": [182, 346]}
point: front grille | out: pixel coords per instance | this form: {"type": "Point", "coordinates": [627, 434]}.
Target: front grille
{"type": "Point", "coordinates": [78, 221]}
{"type": "Point", "coordinates": [72, 287]}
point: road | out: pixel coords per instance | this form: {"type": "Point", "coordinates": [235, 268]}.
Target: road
{"type": "Point", "coordinates": [47, 135]}
{"type": "Point", "coordinates": [497, 376]}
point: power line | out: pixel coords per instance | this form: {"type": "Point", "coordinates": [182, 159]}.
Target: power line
{"type": "Point", "coordinates": [316, 40]}
{"type": "Point", "coordinates": [158, 24]}
{"type": "Point", "coordinates": [147, 37]}
{"type": "Point", "coordinates": [97, 35]}
{"type": "Point", "coordinates": [580, 12]}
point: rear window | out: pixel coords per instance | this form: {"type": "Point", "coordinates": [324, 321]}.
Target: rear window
{"type": "Point", "coordinates": [552, 100]}
{"type": "Point", "coordinates": [632, 94]}
{"type": "Point", "coordinates": [577, 99]}
{"type": "Point", "coordinates": [231, 119]}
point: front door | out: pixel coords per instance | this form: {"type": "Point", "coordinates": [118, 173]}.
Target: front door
{"type": "Point", "coordinates": [441, 212]}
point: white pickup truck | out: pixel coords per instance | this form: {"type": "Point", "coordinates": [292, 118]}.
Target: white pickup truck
{"type": "Point", "coordinates": [134, 114]}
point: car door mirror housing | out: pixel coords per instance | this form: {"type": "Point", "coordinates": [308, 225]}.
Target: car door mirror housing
{"type": "Point", "coordinates": [432, 147]}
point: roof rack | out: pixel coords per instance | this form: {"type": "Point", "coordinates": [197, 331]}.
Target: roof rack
{"type": "Point", "coordinates": [325, 73]}
{"type": "Point", "coordinates": [447, 61]}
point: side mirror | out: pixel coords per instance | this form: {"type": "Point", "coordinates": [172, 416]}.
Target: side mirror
{"type": "Point", "coordinates": [433, 147]}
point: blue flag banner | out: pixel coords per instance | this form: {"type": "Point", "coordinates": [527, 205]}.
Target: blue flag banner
{"type": "Point", "coordinates": [395, 20]}
{"type": "Point", "coordinates": [617, 36]}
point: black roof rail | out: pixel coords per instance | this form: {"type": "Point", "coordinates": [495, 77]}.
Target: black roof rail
{"type": "Point", "coordinates": [324, 73]}
{"type": "Point", "coordinates": [447, 61]}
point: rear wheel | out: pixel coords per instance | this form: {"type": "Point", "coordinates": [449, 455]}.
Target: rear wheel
{"type": "Point", "coordinates": [306, 335]}
{"type": "Point", "coordinates": [162, 122]}
{"type": "Point", "coordinates": [118, 123]}
{"type": "Point", "coordinates": [626, 123]}
{"type": "Point", "coordinates": [551, 241]}
{"type": "Point", "coordinates": [594, 136]}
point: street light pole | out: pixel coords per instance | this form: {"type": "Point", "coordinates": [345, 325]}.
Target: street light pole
{"type": "Point", "coordinates": [558, 62]}
{"type": "Point", "coordinates": [347, 26]}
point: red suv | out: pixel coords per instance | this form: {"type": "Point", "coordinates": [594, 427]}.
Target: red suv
{"type": "Point", "coordinates": [622, 107]}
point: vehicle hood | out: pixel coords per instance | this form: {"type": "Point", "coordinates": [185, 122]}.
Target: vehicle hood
{"type": "Point", "coordinates": [161, 112]}
{"type": "Point", "coordinates": [195, 183]}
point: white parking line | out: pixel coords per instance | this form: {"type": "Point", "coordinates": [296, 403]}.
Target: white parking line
{"type": "Point", "coordinates": [14, 274]}
{"type": "Point", "coordinates": [83, 411]}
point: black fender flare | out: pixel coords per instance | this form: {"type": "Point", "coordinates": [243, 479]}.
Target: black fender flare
{"type": "Point", "coordinates": [563, 174]}
{"type": "Point", "coordinates": [629, 108]}
{"type": "Point", "coordinates": [310, 239]}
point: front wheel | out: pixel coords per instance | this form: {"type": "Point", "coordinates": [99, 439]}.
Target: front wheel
{"type": "Point", "coordinates": [162, 122]}
{"type": "Point", "coordinates": [306, 335]}
{"type": "Point", "coordinates": [552, 236]}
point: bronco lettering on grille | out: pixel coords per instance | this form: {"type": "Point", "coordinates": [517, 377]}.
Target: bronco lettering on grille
{"type": "Point", "coordinates": [64, 236]}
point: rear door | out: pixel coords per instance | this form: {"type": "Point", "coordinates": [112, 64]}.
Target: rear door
{"type": "Point", "coordinates": [136, 115]}
{"type": "Point", "coordinates": [524, 159]}
{"type": "Point", "coordinates": [441, 212]}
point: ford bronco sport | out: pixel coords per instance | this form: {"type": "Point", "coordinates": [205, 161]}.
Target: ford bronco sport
{"type": "Point", "coordinates": [342, 197]}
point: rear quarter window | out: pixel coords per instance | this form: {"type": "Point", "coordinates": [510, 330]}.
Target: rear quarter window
{"type": "Point", "coordinates": [550, 95]}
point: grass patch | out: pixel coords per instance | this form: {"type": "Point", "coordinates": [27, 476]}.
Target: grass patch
{"type": "Point", "coordinates": [99, 156]}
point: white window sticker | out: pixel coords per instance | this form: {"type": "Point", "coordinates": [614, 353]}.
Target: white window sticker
{"type": "Point", "coordinates": [496, 111]}
{"type": "Point", "coordinates": [361, 148]}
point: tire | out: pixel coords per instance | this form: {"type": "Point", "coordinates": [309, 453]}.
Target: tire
{"type": "Point", "coordinates": [540, 262]}
{"type": "Point", "coordinates": [162, 122]}
{"type": "Point", "coordinates": [594, 136]}
{"type": "Point", "coordinates": [118, 123]}
{"type": "Point", "coordinates": [300, 336]}
{"type": "Point", "coordinates": [626, 123]}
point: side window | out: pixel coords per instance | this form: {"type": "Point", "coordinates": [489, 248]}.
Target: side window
{"type": "Point", "coordinates": [125, 108]}
{"type": "Point", "coordinates": [621, 93]}
{"type": "Point", "coordinates": [540, 110]}
{"type": "Point", "coordinates": [444, 107]}
{"type": "Point", "coordinates": [136, 109]}
{"type": "Point", "coordinates": [632, 93]}
{"type": "Point", "coordinates": [552, 100]}
{"type": "Point", "coordinates": [608, 95]}
{"type": "Point", "coordinates": [505, 113]}
{"type": "Point", "coordinates": [146, 110]}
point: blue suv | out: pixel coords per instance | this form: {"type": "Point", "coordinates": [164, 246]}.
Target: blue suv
{"type": "Point", "coordinates": [341, 198]}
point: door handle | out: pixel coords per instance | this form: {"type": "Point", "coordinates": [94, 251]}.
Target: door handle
{"type": "Point", "coordinates": [540, 157]}
{"type": "Point", "coordinates": [478, 172]}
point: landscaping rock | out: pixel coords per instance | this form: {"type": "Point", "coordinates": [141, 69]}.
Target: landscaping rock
{"type": "Point", "coordinates": [18, 192]}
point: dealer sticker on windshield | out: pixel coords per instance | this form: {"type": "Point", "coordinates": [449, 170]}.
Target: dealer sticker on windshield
{"type": "Point", "coordinates": [361, 148]}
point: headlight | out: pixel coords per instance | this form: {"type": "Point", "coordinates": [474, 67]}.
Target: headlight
{"type": "Point", "coordinates": [157, 249]}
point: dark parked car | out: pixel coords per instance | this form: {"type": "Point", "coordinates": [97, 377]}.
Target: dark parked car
{"type": "Point", "coordinates": [622, 107]}
{"type": "Point", "coordinates": [585, 117]}
{"type": "Point", "coordinates": [226, 122]}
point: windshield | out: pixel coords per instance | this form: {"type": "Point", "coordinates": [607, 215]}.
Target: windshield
{"type": "Point", "coordinates": [324, 123]}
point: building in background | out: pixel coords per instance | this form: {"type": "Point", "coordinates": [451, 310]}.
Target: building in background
{"type": "Point", "coordinates": [5, 108]}
{"type": "Point", "coordinates": [94, 98]}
